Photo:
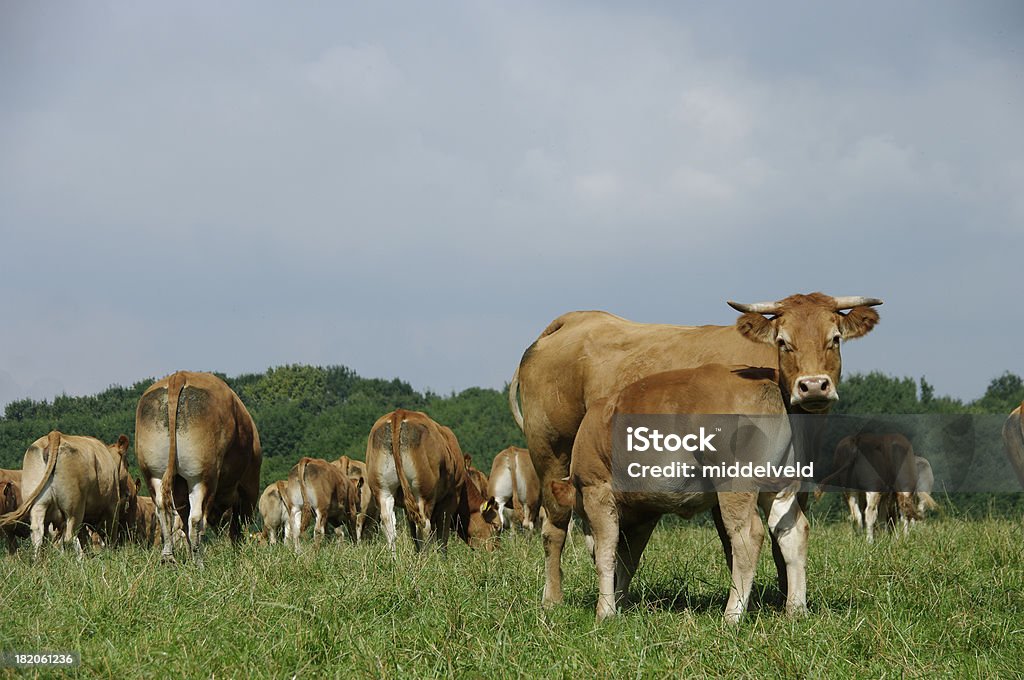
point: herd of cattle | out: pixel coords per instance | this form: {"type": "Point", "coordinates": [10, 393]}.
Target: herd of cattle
{"type": "Point", "coordinates": [199, 453]}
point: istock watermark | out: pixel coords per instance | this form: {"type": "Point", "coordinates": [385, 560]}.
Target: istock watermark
{"type": "Point", "coordinates": [689, 453]}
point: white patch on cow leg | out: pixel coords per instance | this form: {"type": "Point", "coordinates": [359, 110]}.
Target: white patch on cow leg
{"type": "Point", "coordinates": [505, 521]}
{"type": "Point", "coordinates": [871, 513]}
{"type": "Point", "coordinates": [388, 519]}
{"type": "Point", "coordinates": [854, 504]}
{"type": "Point", "coordinates": [165, 519]}
{"type": "Point", "coordinates": [37, 519]}
{"type": "Point", "coordinates": [196, 516]}
{"type": "Point", "coordinates": [295, 523]}
{"type": "Point", "coordinates": [790, 528]}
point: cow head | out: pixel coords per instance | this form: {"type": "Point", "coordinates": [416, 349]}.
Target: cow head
{"type": "Point", "coordinates": [807, 331]}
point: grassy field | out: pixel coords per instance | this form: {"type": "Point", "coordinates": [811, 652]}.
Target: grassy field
{"type": "Point", "coordinates": [947, 602]}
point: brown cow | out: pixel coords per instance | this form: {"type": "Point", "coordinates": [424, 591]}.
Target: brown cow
{"type": "Point", "coordinates": [199, 451]}
{"type": "Point", "coordinates": [146, 527]}
{"type": "Point", "coordinates": [76, 481]}
{"type": "Point", "coordinates": [276, 513]}
{"type": "Point", "coordinates": [9, 503]}
{"type": "Point", "coordinates": [805, 332]}
{"type": "Point", "coordinates": [1013, 441]}
{"type": "Point", "coordinates": [11, 534]}
{"type": "Point", "coordinates": [878, 474]}
{"type": "Point", "coordinates": [367, 510]}
{"type": "Point", "coordinates": [582, 357]}
{"type": "Point", "coordinates": [514, 484]}
{"type": "Point", "coordinates": [412, 460]}
{"type": "Point", "coordinates": [327, 492]}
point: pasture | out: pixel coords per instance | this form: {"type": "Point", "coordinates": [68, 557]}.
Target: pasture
{"type": "Point", "coordinates": [948, 601]}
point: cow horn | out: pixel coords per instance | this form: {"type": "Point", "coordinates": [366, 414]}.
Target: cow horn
{"type": "Point", "coordinates": [851, 301]}
{"type": "Point", "coordinates": [755, 308]}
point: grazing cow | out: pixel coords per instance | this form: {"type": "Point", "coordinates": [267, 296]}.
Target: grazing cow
{"type": "Point", "coordinates": [199, 451]}
{"type": "Point", "coordinates": [10, 484]}
{"type": "Point", "coordinates": [805, 332]}
{"type": "Point", "coordinates": [923, 493]}
{"type": "Point", "coordinates": [367, 510]}
{"type": "Point", "coordinates": [1013, 441]}
{"type": "Point", "coordinates": [327, 492]}
{"type": "Point", "coordinates": [9, 503]}
{"type": "Point", "coordinates": [414, 461]}
{"type": "Point", "coordinates": [146, 527]}
{"type": "Point", "coordinates": [75, 481]}
{"type": "Point", "coordinates": [582, 357]}
{"type": "Point", "coordinates": [514, 484]}
{"type": "Point", "coordinates": [878, 473]}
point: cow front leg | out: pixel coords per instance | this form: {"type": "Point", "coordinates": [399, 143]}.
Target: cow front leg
{"type": "Point", "coordinates": [790, 530]}
{"type": "Point", "coordinates": [738, 512]}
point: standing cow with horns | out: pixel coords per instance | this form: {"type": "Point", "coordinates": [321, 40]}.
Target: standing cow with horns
{"type": "Point", "coordinates": [584, 357]}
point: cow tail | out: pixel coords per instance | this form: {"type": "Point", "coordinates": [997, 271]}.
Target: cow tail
{"type": "Point", "coordinates": [175, 386]}
{"type": "Point", "coordinates": [513, 400]}
{"type": "Point", "coordinates": [1013, 441]}
{"type": "Point", "coordinates": [15, 516]}
{"type": "Point", "coordinates": [397, 423]}
{"type": "Point", "coordinates": [513, 468]}
{"type": "Point", "coordinates": [302, 484]}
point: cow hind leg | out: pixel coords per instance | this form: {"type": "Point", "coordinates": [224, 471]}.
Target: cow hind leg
{"type": "Point", "coordinates": [554, 531]}
{"type": "Point", "coordinates": [37, 518]}
{"type": "Point", "coordinates": [295, 530]}
{"type": "Point", "coordinates": [632, 542]}
{"type": "Point", "coordinates": [165, 519]}
{"type": "Point", "coordinates": [872, 498]}
{"type": "Point", "coordinates": [72, 527]}
{"type": "Point", "coordinates": [387, 517]}
{"type": "Point", "coordinates": [198, 500]}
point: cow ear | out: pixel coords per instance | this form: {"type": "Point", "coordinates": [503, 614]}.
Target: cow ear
{"type": "Point", "coordinates": [122, 444]}
{"type": "Point", "coordinates": [489, 510]}
{"type": "Point", "coordinates": [857, 322]}
{"type": "Point", "coordinates": [756, 327]}
{"type": "Point", "coordinates": [564, 493]}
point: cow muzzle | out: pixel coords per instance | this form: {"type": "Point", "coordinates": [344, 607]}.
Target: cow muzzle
{"type": "Point", "coordinates": [814, 392]}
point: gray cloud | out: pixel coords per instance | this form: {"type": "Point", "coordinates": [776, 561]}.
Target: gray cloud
{"type": "Point", "coordinates": [418, 191]}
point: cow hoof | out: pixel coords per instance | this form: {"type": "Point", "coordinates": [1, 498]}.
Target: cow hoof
{"type": "Point", "coordinates": [168, 559]}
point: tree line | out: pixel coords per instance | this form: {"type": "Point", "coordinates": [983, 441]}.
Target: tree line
{"type": "Point", "coordinates": [327, 411]}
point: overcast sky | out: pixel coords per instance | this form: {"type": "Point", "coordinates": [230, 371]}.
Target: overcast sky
{"type": "Point", "coordinates": [416, 190]}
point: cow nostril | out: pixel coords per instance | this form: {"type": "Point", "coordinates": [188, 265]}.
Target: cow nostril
{"type": "Point", "coordinates": [824, 385]}
{"type": "Point", "coordinates": [803, 386]}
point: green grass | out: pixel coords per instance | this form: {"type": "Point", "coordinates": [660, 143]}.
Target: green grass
{"type": "Point", "coordinates": [947, 602]}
